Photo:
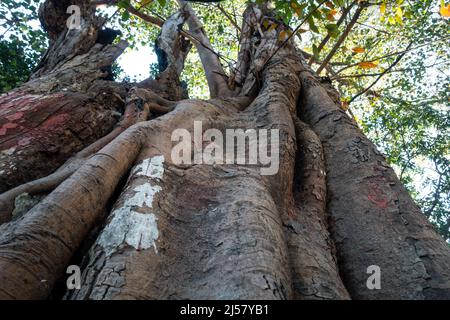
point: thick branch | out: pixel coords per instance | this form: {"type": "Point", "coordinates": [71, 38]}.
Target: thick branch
{"type": "Point", "coordinates": [214, 72]}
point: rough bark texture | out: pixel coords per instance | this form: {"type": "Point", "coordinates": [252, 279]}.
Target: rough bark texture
{"type": "Point", "coordinates": [222, 231]}
{"type": "Point", "coordinates": [65, 106]}
{"type": "Point", "coordinates": [374, 220]}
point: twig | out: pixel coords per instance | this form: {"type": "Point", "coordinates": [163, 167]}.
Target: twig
{"type": "Point", "coordinates": [295, 30]}
{"type": "Point", "coordinates": [229, 17]}
{"type": "Point", "coordinates": [341, 38]}
{"type": "Point", "coordinates": [328, 36]}
{"type": "Point", "coordinates": [382, 74]}
{"type": "Point", "coordinates": [392, 54]}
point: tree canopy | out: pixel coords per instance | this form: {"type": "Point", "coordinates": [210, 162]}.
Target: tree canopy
{"type": "Point", "coordinates": [389, 60]}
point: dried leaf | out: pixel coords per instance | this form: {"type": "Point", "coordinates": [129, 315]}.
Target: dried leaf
{"type": "Point", "coordinates": [329, 4]}
{"type": "Point", "coordinates": [367, 65]}
{"type": "Point", "coordinates": [358, 50]}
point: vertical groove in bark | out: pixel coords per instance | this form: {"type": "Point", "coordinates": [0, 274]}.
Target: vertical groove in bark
{"type": "Point", "coordinates": [311, 250]}
{"type": "Point", "coordinates": [375, 221]}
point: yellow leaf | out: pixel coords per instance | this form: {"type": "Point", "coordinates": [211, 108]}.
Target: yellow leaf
{"type": "Point", "coordinates": [266, 24]}
{"type": "Point", "coordinates": [367, 65]}
{"type": "Point", "coordinates": [358, 50]}
{"type": "Point", "coordinates": [399, 13]}
{"type": "Point", "coordinates": [282, 35]}
{"type": "Point", "coordinates": [445, 11]}
{"type": "Point", "coordinates": [383, 8]}
{"type": "Point", "coordinates": [294, 5]}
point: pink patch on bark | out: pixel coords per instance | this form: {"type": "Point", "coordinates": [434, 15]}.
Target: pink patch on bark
{"type": "Point", "coordinates": [382, 203]}
{"type": "Point", "coordinates": [15, 116]}
{"type": "Point", "coordinates": [55, 121]}
{"type": "Point", "coordinates": [7, 126]}
{"type": "Point", "coordinates": [378, 196]}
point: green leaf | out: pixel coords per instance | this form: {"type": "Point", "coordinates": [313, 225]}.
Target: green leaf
{"type": "Point", "coordinates": [312, 26]}
{"type": "Point", "coordinates": [125, 16]}
{"type": "Point", "coordinates": [332, 30]}
{"type": "Point", "coordinates": [315, 52]}
{"type": "Point", "coordinates": [123, 4]}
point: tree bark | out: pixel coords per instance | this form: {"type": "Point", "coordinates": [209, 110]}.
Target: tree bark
{"type": "Point", "coordinates": [66, 105]}
{"type": "Point", "coordinates": [374, 220]}
{"type": "Point", "coordinates": [222, 231]}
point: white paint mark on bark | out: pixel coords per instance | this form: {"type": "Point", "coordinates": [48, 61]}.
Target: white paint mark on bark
{"type": "Point", "coordinates": [143, 197]}
{"type": "Point", "coordinates": [152, 168]}
{"type": "Point", "coordinates": [128, 226]}
{"type": "Point", "coordinates": [133, 228]}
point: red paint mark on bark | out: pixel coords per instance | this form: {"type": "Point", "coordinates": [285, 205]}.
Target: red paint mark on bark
{"type": "Point", "coordinates": [15, 116]}
{"type": "Point", "coordinates": [55, 121]}
{"type": "Point", "coordinates": [382, 203]}
{"type": "Point", "coordinates": [7, 126]}
{"type": "Point", "coordinates": [378, 196]}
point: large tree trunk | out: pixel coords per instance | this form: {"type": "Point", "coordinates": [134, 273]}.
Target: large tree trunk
{"type": "Point", "coordinates": [149, 228]}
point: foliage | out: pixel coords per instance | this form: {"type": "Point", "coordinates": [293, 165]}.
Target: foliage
{"type": "Point", "coordinates": [22, 42]}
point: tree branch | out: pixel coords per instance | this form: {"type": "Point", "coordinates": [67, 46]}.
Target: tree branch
{"type": "Point", "coordinates": [342, 38]}
{"type": "Point", "coordinates": [214, 72]}
{"type": "Point", "coordinates": [229, 17]}
{"type": "Point", "coordinates": [382, 74]}
{"type": "Point", "coordinates": [392, 54]}
{"type": "Point", "coordinates": [328, 36]}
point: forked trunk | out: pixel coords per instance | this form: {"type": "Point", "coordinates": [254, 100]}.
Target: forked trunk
{"type": "Point", "coordinates": [308, 230]}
